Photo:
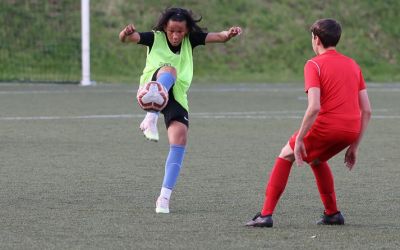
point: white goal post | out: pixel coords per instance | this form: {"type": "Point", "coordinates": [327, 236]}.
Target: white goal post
{"type": "Point", "coordinates": [85, 36]}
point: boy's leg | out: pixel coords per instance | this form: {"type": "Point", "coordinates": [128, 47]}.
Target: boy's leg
{"type": "Point", "coordinates": [276, 185]}
{"type": "Point", "coordinates": [326, 187]}
{"type": "Point", "coordinates": [325, 148]}
{"type": "Point", "coordinates": [324, 179]}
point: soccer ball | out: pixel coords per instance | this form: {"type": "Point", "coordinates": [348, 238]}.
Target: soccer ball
{"type": "Point", "coordinates": [152, 96]}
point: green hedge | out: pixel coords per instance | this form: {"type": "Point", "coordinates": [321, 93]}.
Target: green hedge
{"type": "Point", "coordinates": [40, 40]}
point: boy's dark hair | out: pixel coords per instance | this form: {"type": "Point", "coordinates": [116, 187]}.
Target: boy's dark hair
{"type": "Point", "coordinates": [180, 15]}
{"type": "Point", "coordinates": [328, 30]}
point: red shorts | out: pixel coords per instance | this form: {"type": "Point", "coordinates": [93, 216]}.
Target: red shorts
{"type": "Point", "coordinates": [323, 145]}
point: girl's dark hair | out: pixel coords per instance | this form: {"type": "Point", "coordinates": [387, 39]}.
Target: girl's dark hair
{"type": "Point", "coordinates": [328, 31]}
{"type": "Point", "coordinates": [180, 15]}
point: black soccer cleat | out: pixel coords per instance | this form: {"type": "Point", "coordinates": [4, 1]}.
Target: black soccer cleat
{"type": "Point", "coordinates": [260, 221]}
{"type": "Point", "coordinates": [334, 219]}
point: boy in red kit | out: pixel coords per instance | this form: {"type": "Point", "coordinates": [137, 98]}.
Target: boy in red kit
{"type": "Point", "coordinates": [336, 118]}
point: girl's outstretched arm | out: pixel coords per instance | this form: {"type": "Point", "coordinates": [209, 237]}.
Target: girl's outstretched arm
{"type": "Point", "coordinates": [223, 36]}
{"type": "Point", "coordinates": [129, 34]}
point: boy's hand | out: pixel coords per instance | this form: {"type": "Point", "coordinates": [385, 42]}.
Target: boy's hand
{"type": "Point", "coordinates": [350, 157]}
{"type": "Point", "coordinates": [299, 152]}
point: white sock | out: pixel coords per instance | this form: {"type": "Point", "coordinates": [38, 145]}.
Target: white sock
{"type": "Point", "coordinates": [152, 116]}
{"type": "Point", "coordinates": [165, 193]}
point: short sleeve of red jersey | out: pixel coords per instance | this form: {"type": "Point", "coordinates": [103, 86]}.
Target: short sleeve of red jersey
{"type": "Point", "coordinates": [362, 84]}
{"type": "Point", "coordinates": [311, 75]}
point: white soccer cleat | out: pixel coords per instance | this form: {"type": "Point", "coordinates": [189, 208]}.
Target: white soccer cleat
{"type": "Point", "coordinates": [149, 127]}
{"type": "Point", "coordinates": [162, 205]}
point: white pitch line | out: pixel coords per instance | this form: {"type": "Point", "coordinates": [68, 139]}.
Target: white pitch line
{"type": "Point", "coordinates": [28, 118]}
{"type": "Point", "coordinates": [77, 91]}
{"type": "Point", "coordinates": [215, 89]}
{"type": "Point", "coordinates": [227, 115]}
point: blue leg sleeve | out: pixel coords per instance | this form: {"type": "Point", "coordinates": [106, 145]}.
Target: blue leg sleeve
{"type": "Point", "coordinates": [167, 80]}
{"type": "Point", "coordinates": [173, 165]}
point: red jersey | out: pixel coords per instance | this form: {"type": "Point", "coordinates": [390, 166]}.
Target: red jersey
{"type": "Point", "coordinates": [339, 79]}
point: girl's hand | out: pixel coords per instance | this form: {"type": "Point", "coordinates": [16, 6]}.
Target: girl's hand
{"type": "Point", "coordinates": [129, 30]}
{"type": "Point", "coordinates": [223, 36]}
{"type": "Point", "coordinates": [234, 31]}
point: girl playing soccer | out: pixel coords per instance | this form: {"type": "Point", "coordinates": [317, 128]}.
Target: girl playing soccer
{"type": "Point", "coordinates": [170, 62]}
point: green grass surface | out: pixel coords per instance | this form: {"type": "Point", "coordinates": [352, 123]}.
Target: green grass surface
{"type": "Point", "coordinates": [76, 173]}
{"type": "Point", "coordinates": [40, 40]}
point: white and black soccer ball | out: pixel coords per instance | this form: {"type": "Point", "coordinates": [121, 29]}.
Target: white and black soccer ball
{"type": "Point", "coordinates": [152, 96]}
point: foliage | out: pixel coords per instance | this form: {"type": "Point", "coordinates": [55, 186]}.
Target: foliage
{"type": "Point", "coordinates": [42, 38]}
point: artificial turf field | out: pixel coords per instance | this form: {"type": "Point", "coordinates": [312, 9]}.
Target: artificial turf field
{"type": "Point", "coordinates": [76, 172]}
